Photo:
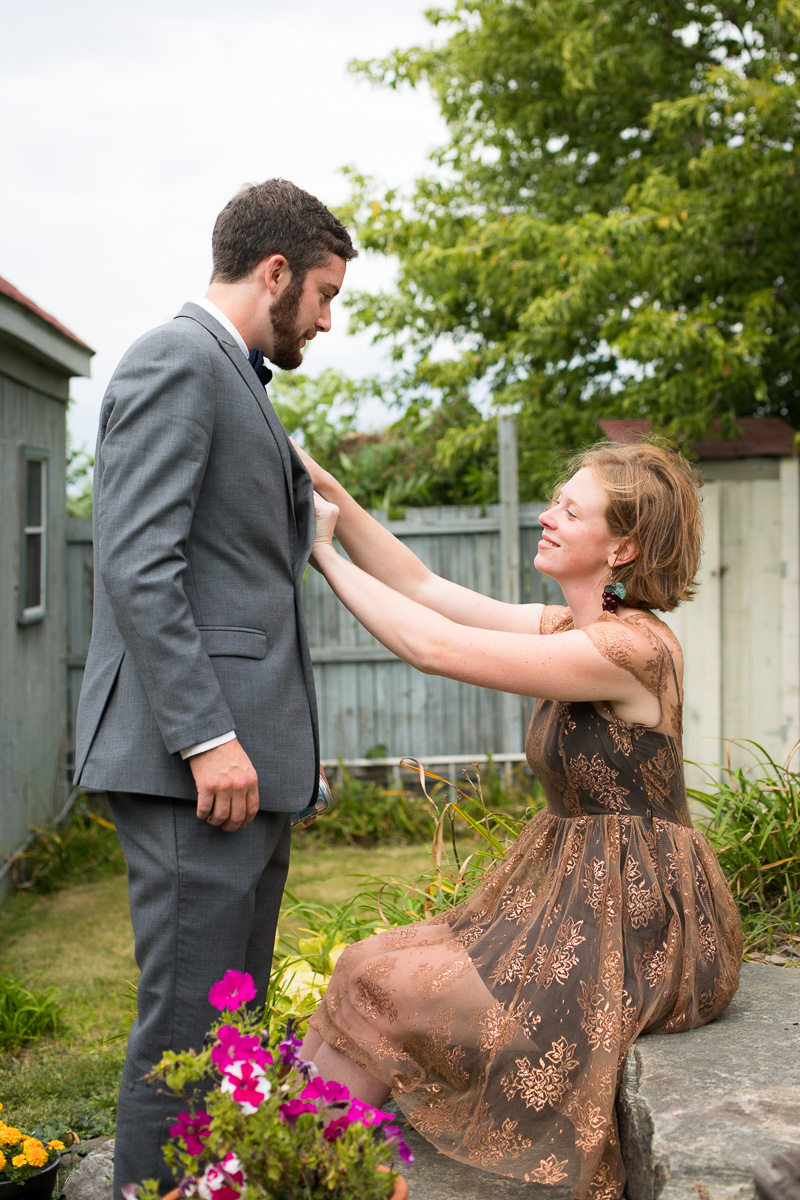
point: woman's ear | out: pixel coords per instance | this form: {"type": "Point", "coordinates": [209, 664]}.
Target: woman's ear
{"type": "Point", "coordinates": [626, 552]}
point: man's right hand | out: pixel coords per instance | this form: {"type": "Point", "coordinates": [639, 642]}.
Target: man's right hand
{"type": "Point", "coordinates": [227, 786]}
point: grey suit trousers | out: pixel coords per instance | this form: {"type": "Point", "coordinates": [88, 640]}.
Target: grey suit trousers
{"type": "Point", "coordinates": [202, 902]}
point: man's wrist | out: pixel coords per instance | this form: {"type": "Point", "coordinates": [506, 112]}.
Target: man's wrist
{"type": "Point", "coordinates": [210, 744]}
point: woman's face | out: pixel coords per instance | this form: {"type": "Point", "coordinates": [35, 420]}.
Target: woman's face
{"type": "Point", "coordinates": [576, 543]}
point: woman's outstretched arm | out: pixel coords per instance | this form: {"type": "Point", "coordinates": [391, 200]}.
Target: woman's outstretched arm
{"type": "Point", "coordinates": [379, 553]}
{"type": "Point", "coordinates": [562, 666]}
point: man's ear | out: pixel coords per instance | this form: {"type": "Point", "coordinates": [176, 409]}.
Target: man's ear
{"type": "Point", "coordinates": [626, 553]}
{"type": "Point", "coordinates": [275, 273]}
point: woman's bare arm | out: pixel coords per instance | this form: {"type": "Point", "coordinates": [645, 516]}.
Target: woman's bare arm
{"type": "Point", "coordinates": [380, 554]}
{"type": "Point", "coordinates": [564, 666]}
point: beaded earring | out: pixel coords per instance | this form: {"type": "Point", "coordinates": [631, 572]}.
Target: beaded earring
{"type": "Point", "coordinates": [613, 593]}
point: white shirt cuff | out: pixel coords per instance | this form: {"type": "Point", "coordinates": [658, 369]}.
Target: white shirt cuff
{"type": "Point", "coordinates": [199, 747]}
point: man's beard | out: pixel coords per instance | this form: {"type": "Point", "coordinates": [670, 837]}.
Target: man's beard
{"type": "Point", "coordinates": [286, 337]}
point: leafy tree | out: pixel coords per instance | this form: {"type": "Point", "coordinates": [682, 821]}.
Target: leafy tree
{"type": "Point", "coordinates": [429, 456]}
{"type": "Point", "coordinates": [79, 481]}
{"type": "Point", "coordinates": [614, 225]}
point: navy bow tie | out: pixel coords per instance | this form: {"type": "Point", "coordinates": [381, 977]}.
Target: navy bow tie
{"type": "Point", "coordinates": [256, 360]}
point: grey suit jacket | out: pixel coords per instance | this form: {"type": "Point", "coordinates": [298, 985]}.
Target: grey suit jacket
{"type": "Point", "coordinates": [203, 524]}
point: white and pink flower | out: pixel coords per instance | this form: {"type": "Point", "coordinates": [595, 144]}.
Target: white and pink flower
{"type": "Point", "coordinates": [246, 1082]}
{"type": "Point", "coordinates": [223, 1180]}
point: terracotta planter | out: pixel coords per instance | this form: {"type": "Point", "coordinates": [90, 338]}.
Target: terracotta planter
{"type": "Point", "coordinates": [36, 1187]}
{"type": "Point", "coordinates": [400, 1189]}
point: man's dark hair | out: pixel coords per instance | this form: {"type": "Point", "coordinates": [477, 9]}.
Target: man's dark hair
{"type": "Point", "coordinates": [275, 217]}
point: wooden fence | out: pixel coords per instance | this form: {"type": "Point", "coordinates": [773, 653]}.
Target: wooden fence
{"type": "Point", "coordinates": [741, 635]}
{"type": "Point", "coordinates": [371, 703]}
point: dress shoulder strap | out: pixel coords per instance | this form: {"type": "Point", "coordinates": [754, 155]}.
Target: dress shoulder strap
{"type": "Point", "coordinates": [640, 644]}
{"type": "Point", "coordinates": [556, 618]}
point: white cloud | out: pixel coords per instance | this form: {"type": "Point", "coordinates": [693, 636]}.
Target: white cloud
{"type": "Point", "coordinates": [127, 130]}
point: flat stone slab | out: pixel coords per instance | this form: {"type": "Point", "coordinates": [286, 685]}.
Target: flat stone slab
{"type": "Point", "coordinates": [434, 1176]}
{"type": "Point", "coordinates": [698, 1110]}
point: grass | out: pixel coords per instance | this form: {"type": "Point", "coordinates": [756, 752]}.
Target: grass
{"type": "Point", "coordinates": [25, 1013]}
{"type": "Point", "coordinates": [368, 812]}
{"type": "Point", "coordinates": [346, 879]}
{"type": "Point", "coordinates": [753, 824]}
{"type": "Point", "coordinates": [79, 941]}
{"type": "Point", "coordinates": [85, 846]}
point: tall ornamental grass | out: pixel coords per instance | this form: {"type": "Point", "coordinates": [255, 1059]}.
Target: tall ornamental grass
{"type": "Point", "coordinates": [753, 824]}
{"type": "Point", "coordinates": [468, 838]}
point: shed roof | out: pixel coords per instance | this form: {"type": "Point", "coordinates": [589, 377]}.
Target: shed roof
{"type": "Point", "coordinates": [32, 339]}
{"type": "Point", "coordinates": [760, 437]}
{"type": "Point", "coordinates": [8, 289]}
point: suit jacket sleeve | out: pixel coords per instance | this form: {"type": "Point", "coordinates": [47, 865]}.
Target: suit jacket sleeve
{"type": "Point", "coordinates": [155, 448]}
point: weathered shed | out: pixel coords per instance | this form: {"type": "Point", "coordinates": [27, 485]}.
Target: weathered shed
{"type": "Point", "coordinates": [38, 356]}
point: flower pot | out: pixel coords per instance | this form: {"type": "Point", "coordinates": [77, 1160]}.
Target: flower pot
{"type": "Point", "coordinates": [400, 1189]}
{"type": "Point", "coordinates": [38, 1186]}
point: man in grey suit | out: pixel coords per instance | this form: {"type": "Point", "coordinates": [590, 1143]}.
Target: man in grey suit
{"type": "Point", "coordinates": [197, 714]}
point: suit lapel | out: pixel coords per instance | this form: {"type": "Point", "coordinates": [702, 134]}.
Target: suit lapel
{"type": "Point", "coordinates": [254, 384]}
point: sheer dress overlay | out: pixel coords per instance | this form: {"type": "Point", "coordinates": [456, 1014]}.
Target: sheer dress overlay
{"type": "Point", "coordinates": [502, 1026]}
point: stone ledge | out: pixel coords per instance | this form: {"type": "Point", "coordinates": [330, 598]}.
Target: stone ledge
{"type": "Point", "coordinates": [699, 1110]}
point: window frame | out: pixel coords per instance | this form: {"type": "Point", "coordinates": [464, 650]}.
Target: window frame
{"type": "Point", "coordinates": [33, 613]}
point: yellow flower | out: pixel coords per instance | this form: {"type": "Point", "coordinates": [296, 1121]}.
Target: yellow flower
{"type": "Point", "coordinates": [2, 1160]}
{"type": "Point", "coordinates": [35, 1152]}
{"type": "Point", "coordinates": [56, 1145]}
{"type": "Point", "coordinates": [9, 1136]}
{"type": "Point", "coordinates": [19, 1160]}
{"type": "Point", "coordinates": [1, 1105]}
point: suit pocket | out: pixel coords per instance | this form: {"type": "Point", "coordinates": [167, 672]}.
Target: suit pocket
{"type": "Point", "coordinates": [238, 643]}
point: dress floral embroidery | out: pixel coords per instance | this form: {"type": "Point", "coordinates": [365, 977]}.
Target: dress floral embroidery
{"type": "Point", "coordinates": [502, 1026]}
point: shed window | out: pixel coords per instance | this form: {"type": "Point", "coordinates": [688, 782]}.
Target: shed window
{"type": "Point", "coordinates": [33, 541]}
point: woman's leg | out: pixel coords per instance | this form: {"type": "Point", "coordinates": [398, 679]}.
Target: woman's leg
{"type": "Point", "coordinates": [333, 1065]}
{"type": "Point", "coordinates": [311, 1044]}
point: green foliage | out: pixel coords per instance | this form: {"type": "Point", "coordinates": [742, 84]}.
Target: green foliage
{"type": "Point", "coordinates": [83, 848]}
{"type": "Point", "coordinates": [25, 1014]}
{"type": "Point", "coordinates": [79, 481]}
{"type": "Point", "coordinates": [428, 456]}
{"type": "Point", "coordinates": [467, 838]}
{"type": "Point", "coordinates": [335, 1146]}
{"type": "Point", "coordinates": [367, 813]}
{"type": "Point", "coordinates": [754, 827]}
{"type": "Point", "coordinates": [614, 226]}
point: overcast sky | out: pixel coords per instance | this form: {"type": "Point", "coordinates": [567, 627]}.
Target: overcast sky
{"type": "Point", "coordinates": [126, 128]}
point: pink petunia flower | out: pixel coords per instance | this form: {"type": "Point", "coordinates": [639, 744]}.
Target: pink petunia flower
{"type": "Point", "coordinates": [192, 1129]}
{"type": "Point", "coordinates": [245, 1081]}
{"type": "Point", "coordinates": [392, 1134]}
{"type": "Point", "coordinates": [366, 1113]}
{"type": "Point", "coordinates": [334, 1131]}
{"type": "Point", "coordinates": [233, 1046]}
{"type": "Point", "coordinates": [290, 1110]}
{"type": "Point", "coordinates": [222, 1181]}
{"type": "Point", "coordinates": [232, 991]}
{"type": "Point", "coordinates": [330, 1092]}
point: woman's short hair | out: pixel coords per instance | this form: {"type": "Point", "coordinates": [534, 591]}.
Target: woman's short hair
{"type": "Point", "coordinates": [653, 500]}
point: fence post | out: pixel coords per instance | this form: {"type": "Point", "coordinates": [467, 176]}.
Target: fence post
{"type": "Point", "coordinates": [512, 715]}
{"type": "Point", "coordinates": [509, 508]}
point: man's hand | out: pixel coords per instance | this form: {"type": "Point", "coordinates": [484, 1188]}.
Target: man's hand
{"type": "Point", "coordinates": [227, 786]}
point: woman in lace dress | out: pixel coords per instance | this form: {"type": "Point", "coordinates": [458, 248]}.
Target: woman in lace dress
{"type": "Point", "coordinates": [501, 1027]}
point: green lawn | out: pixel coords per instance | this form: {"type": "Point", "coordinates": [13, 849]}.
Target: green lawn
{"type": "Point", "coordinates": [79, 940]}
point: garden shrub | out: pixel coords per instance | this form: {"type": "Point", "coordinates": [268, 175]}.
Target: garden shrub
{"type": "Point", "coordinates": [754, 827]}
{"type": "Point", "coordinates": [25, 1014]}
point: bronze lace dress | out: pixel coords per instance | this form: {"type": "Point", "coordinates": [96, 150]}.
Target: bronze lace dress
{"type": "Point", "coordinates": [502, 1026]}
